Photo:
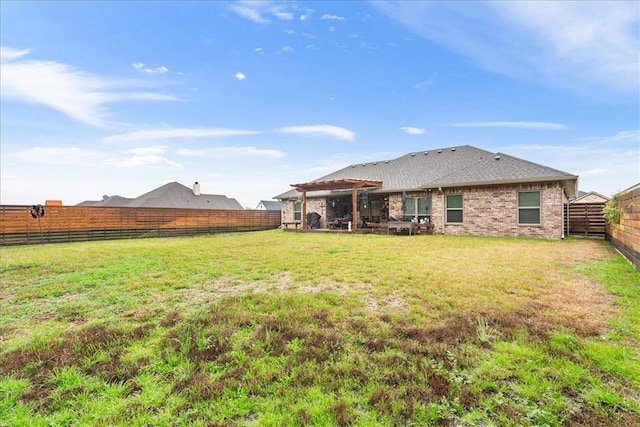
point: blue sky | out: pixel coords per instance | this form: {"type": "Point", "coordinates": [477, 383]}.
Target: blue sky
{"type": "Point", "coordinates": [246, 98]}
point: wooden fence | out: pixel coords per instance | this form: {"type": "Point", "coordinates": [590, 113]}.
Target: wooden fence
{"type": "Point", "coordinates": [85, 223]}
{"type": "Point", "coordinates": [625, 236]}
{"type": "Point", "coordinates": [585, 219]}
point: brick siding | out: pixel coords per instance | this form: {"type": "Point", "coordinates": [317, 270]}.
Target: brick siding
{"type": "Point", "coordinates": [493, 211]}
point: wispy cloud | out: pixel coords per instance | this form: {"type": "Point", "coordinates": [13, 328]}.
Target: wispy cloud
{"type": "Point", "coordinates": [226, 152]}
{"type": "Point", "coordinates": [80, 95]}
{"type": "Point", "coordinates": [412, 130]}
{"type": "Point", "coordinates": [144, 69]}
{"type": "Point", "coordinates": [423, 84]}
{"type": "Point", "coordinates": [61, 156]}
{"type": "Point", "coordinates": [570, 44]}
{"type": "Point", "coordinates": [327, 17]}
{"type": "Point", "coordinates": [143, 157]}
{"type": "Point", "coordinates": [285, 49]}
{"type": "Point", "coordinates": [8, 53]}
{"type": "Point", "coordinates": [175, 133]}
{"type": "Point", "coordinates": [264, 11]}
{"type": "Point", "coordinates": [89, 158]}
{"type": "Point", "coordinates": [333, 131]}
{"type": "Point", "coordinates": [514, 125]}
{"type": "Point", "coordinates": [606, 164]}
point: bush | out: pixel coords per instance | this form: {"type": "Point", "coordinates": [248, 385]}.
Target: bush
{"type": "Point", "coordinates": [611, 210]}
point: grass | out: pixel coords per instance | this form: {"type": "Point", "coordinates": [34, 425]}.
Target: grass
{"type": "Point", "coordinates": [273, 328]}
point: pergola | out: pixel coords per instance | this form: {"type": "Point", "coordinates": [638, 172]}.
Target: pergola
{"type": "Point", "coordinates": [336, 184]}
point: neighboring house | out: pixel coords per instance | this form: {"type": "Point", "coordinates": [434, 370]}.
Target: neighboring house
{"type": "Point", "coordinates": [171, 195]}
{"type": "Point", "coordinates": [268, 205]}
{"type": "Point", "coordinates": [460, 190]}
{"type": "Point", "coordinates": [590, 197]}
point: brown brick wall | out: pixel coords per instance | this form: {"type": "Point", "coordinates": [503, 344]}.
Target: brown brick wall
{"type": "Point", "coordinates": [493, 211]}
{"type": "Point", "coordinates": [626, 236]}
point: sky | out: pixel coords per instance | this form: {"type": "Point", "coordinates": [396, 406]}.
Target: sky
{"type": "Point", "coordinates": [119, 98]}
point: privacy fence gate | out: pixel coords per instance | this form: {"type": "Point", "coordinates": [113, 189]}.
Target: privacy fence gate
{"type": "Point", "coordinates": [86, 223]}
{"type": "Point", "coordinates": [585, 220]}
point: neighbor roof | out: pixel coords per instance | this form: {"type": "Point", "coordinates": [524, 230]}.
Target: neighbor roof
{"type": "Point", "coordinates": [270, 205]}
{"type": "Point", "coordinates": [172, 195]}
{"type": "Point", "coordinates": [447, 167]}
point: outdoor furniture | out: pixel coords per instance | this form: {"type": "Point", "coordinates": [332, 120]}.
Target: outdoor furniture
{"type": "Point", "coordinates": [313, 220]}
{"type": "Point", "coordinates": [288, 223]}
{"type": "Point", "coordinates": [411, 227]}
{"type": "Point", "coordinates": [338, 223]}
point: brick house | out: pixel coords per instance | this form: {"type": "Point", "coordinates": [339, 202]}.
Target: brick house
{"type": "Point", "coordinates": [459, 190]}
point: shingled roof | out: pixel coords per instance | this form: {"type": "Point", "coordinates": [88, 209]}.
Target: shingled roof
{"type": "Point", "coordinates": [172, 195]}
{"type": "Point", "coordinates": [447, 167]}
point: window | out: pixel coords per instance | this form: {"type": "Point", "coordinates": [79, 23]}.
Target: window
{"type": "Point", "coordinates": [529, 207]}
{"type": "Point", "coordinates": [454, 208]}
{"type": "Point", "coordinates": [418, 208]}
{"type": "Point", "coordinates": [297, 211]}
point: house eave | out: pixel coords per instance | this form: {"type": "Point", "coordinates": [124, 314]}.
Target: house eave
{"type": "Point", "coordinates": [568, 181]}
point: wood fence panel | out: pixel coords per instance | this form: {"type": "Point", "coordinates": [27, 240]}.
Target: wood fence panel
{"type": "Point", "coordinates": [586, 219]}
{"type": "Point", "coordinates": [625, 236]}
{"type": "Point", "coordinates": [81, 223]}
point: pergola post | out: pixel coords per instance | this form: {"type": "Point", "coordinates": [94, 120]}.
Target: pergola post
{"type": "Point", "coordinates": [304, 210]}
{"type": "Point", "coordinates": [354, 202]}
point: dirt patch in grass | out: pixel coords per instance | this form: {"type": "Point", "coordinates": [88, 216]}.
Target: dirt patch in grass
{"type": "Point", "coordinates": [72, 349]}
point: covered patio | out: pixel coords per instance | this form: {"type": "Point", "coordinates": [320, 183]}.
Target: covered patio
{"type": "Point", "coordinates": [332, 185]}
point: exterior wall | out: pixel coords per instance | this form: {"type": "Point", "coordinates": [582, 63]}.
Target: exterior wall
{"type": "Point", "coordinates": [493, 211]}
{"type": "Point", "coordinates": [625, 236]}
{"type": "Point", "coordinates": [313, 205]}
{"type": "Point", "coordinates": [318, 205]}
{"type": "Point", "coordinates": [286, 212]}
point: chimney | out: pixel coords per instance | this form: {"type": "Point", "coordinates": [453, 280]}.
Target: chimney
{"type": "Point", "coordinates": [196, 188]}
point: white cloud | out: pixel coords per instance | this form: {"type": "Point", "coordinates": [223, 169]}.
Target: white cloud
{"type": "Point", "coordinates": [8, 54]}
{"type": "Point", "coordinates": [61, 156]}
{"type": "Point", "coordinates": [568, 44]}
{"type": "Point", "coordinates": [226, 152]}
{"type": "Point", "coordinates": [143, 68]}
{"type": "Point", "coordinates": [263, 11]}
{"type": "Point", "coordinates": [605, 164]}
{"type": "Point", "coordinates": [79, 95]}
{"type": "Point", "coordinates": [143, 157]}
{"type": "Point", "coordinates": [247, 11]}
{"type": "Point", "coordinates": [284, 16]}
{"type": "Point", "coordinates": [154, 134]}
{"type": "Point", "coordinates": [285, 49]}
{"type": "Point", "coordinates": [328, 17]}
{"type": "Point", "coordinates": [412, 130]}
{"type": "Point", "coordinates": [240, 76]}
{"type": "Point", "coordinates": [514, 125]}
{"type": "Point", "coordinates": [334, 131]}
{"type": "Point", "coordinates": [423, 84]}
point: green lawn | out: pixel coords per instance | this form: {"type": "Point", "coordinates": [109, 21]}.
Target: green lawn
{"type": "Point", "coordinates": [273, 328]}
